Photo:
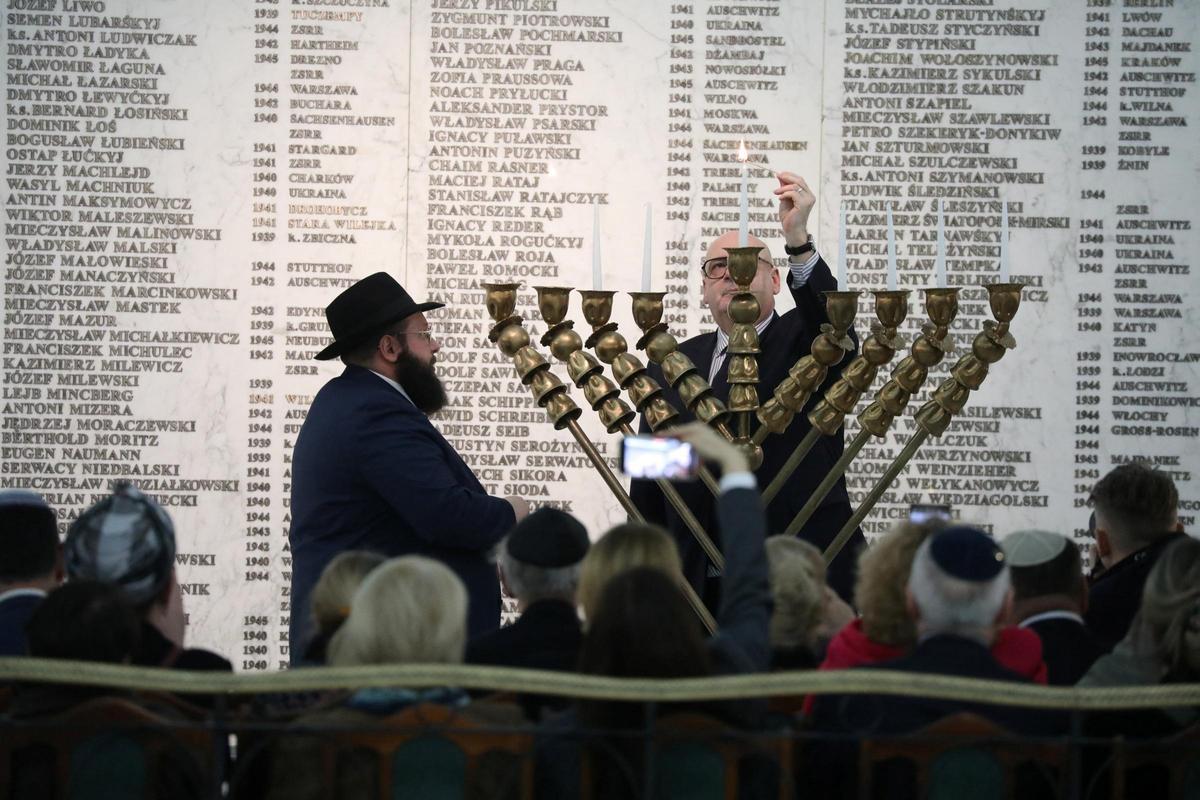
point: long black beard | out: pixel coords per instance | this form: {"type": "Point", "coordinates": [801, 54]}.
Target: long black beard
{"type": "Point", "coordinates": [421, 383]}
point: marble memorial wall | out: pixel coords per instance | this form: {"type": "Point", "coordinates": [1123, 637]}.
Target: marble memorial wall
{"type": "Point", "coordinates": [187, 185]}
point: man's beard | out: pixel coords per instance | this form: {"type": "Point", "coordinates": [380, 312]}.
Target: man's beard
{"type": "Point", "coordinates": [421, 383]}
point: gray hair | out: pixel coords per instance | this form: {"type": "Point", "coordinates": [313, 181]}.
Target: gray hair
{"type": "Point", "coordinates": [529, 583]}
{"type": "Point", "coordinates": [795, 572]}
{"type": "Point", "coordinates": [952, 605]}
{"type": "Point", "coordinates": [409, 610]}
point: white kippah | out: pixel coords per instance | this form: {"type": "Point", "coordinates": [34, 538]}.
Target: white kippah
{"type": "Point", "coordinates": [1031, 548]}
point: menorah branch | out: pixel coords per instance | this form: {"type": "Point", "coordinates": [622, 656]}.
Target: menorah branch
{"type": "Point", "coordinates": [967, 375]}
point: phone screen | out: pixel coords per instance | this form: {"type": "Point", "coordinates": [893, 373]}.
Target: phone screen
{"type": "Point", "coordinates": [925, 512]}
{"type": "Point", "coordinates": [653, 457]}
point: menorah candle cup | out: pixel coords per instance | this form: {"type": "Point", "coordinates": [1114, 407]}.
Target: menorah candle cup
{"type": "Point", "coordinates": [1004, 299]}
{"type": "Point", "coordinates": [597, 306]}
{"type": "Point", "coordinates": [500, 299]}
{"type": "Point", "coordinates": [647, 309]}
{"type": "Point", "coordinates": [553, 303]}
{"type": "Point", "coordinates": [841, 307]}
{"type": "Point", "coordinates": [742, 264]}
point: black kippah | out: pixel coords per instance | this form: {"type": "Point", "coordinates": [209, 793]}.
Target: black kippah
{"type": "Point", "coordinates": [548, 538]}
{"type": "Point", "coordinates": [966, 553]}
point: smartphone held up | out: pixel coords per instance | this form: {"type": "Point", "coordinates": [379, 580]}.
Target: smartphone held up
{"type": "Point", "coordinates": [653, 457]}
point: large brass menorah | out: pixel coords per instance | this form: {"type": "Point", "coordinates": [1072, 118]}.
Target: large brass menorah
{"type": "Point", "coordinates": [735, 418]}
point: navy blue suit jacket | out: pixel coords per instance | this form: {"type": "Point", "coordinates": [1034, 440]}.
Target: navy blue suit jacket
{"type": "Point", "coordinates": [14, 615]}
{"type": "Point", "coordinates": [1068, 648]}
{"type": "Point", "coordinates": [370, 472]}
{"type": "Point", "coordinates": [787, 338]}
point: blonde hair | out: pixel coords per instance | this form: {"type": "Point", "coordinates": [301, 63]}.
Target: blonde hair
{"type": "Point", "coordinates": [633, 544]}
{"type": "Point", "coordinates": [408, 610]}
{"type": "Point", "coordinates": [1169, 620]}
{"type": "Point", "coordinates": [879, 591]}
{"type": "Point", "coordinates": [796, 573]}
{"type": "Point", "coordinates": [336, 587]}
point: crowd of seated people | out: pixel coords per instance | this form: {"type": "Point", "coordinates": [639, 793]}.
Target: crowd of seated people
{"type": "Point", "coordinates": [936, 598]}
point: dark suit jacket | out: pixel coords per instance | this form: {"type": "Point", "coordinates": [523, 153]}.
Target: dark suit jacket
{"type": "Point", "coordinates": [1115, 595]}
{"type": "Point", "coordinates": [787, 338]}
{"type": "Point", "coordinates": [370, 472]}
{"type": "Point", "coordinates": [1068, 648]}
{"type": "Point", "coordinates": [14, 614]}
{"type": "Point", "coordinates": [546, 636]}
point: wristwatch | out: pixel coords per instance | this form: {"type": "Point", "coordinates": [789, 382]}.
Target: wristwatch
{"type": "Point", "coordinates": [800, 250]}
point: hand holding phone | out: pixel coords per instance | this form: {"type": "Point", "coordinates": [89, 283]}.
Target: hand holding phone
{"type": "Point", "coordinates": [654, 457]}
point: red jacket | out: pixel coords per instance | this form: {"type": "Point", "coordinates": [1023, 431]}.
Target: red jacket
{"type": "Point", "coordinates": [1018, 649]}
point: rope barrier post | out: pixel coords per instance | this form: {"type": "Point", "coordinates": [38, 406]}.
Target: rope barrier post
{"type": "Point", "coordinates": [1075, 756]}
{"type": "Point", "coordinates": [648, 755]}
{"type": "Point", "coordinates": [220, 744]}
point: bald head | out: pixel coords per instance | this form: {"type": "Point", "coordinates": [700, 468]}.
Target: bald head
{"type": "Point", "coordinates": [719, 290]}
{"type": "Point", "coordinates": [730, 239]}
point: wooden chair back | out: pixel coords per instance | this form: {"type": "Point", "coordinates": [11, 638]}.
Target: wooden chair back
{"type": "Point", "coordinates": [1177, 758]}
{"type": "Point", "coordinates": [698, 756]}
{"type": "Point", "coordinates": [961, 755]}
{"type": "Point", "coordinates": [435, 751]}
{"type": "Point", "coordinates": [107, 747]}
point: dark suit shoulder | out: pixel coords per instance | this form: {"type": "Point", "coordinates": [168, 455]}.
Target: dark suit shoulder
{"type": "Point", "coordinates": [1115, 595]}
{"type": "Point", "coordinates": [1068, 648]}
{"type": "Point", "coordinates": [343, 398]}
{"type": "Point", "coordinates": [364, 387]}
{"type": "Point", "coordinates": [547, 636]}
{"type": "Point", "coordinates": [953, 655]}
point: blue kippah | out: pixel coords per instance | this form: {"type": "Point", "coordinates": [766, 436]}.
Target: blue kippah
{"type": "Point", "coordinates": [966, 553]}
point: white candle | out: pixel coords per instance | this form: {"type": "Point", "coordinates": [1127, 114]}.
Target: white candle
{"type": "Point", "coordinates": [940, 263]}
{"type": "Point", "coordinates": [1004, 242]}
{"type": "Point", "coordinates": [744, 209]}
{"type": "Point", "coordinates": [646, 248]}
{"type": "Point", "coordinates": [891, 252]}
{"type": "Point", "coordinates": [841, 265]}
{"type": "Point", "coordinates": [597, 282]}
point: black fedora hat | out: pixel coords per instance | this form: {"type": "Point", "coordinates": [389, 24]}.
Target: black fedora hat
{"type": "Point", "coordinates": [363, 308]}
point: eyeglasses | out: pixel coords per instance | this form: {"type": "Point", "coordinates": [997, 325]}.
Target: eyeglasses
{"type": "Point", "coordinates": [717, 268]}
{"type": "Point", "coordinates": [426, 334]}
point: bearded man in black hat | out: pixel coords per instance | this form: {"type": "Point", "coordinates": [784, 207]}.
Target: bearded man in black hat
{"type": "Point", "coordinates": [371, 472]}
